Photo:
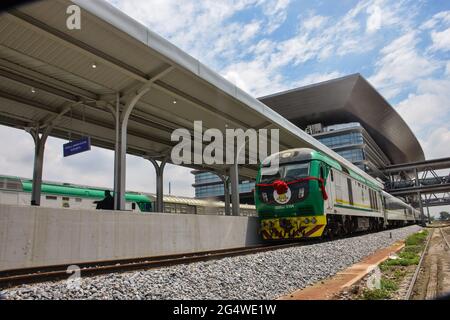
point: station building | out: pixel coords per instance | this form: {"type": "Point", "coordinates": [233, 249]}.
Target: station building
{"type": "Point", "coordinates": [347, 115]}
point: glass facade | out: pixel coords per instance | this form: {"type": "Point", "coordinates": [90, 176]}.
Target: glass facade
{"type": "Point", "coordinates": [345, 139]}
{"type": "Point", "coordinates": [347, 144]}
{"type": "Point", "coordinates": [352, 155]}
{"type": "Point", "coordinates": [208, 184]}
{"type": "Point", "coordinates": [353, 143]}
{"type": "Point", "coordinates": [209, 190]}
{"type": "Point", "coordinates": [206, 177]}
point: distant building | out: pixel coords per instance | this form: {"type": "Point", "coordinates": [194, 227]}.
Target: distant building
{"type": "Point", "coordinates": [349, 116]}
{"type": "Point", "coordinates": [354, 143]}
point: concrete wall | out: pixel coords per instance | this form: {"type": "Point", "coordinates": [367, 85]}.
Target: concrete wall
{"type": "Point", "coordinates": [34, 236]}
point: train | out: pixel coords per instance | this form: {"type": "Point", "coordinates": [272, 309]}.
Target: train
{"type": "Point", "coordinates": [17, 191]}
{"type": "Point", "coordinates": [310, 195]}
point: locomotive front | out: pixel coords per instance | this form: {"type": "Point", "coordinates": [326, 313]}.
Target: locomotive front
{"type": "Point", "coordinates": [290, 196]}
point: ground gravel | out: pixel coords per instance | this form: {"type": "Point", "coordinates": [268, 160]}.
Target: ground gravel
{"type": "Point", "coordinates": [264, 275]}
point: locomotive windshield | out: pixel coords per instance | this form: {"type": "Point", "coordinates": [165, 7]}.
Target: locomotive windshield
{"type": "Point", "coordinates": [285, 172]}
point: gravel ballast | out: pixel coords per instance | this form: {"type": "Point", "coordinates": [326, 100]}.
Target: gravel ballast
{"type": "Point", "coordinates": [266, 275]}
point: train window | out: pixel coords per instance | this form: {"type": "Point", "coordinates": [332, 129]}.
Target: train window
{"type": "Point", "coordinates": [145, 206]}
{"type": "Point", "coordinates": [190, 210]}
{"type": "Point", "coordinates": [13, 184]}
{"type": "Point", "coordinates": [65, 198]}
{"type": "Point", "coordinates": [331, 174]}
{"type": "Point", "coordinates": [286, 172]}
{"type": "Point", "coordinates": [167, 208]}
{"type": "Point", "coordinates": [133, 206]}
{"type": "Point", "coordinates": [376, 200]}
{"type": "Point", "coordinates": [51, 197]}
{"type": "Point", "coordinates": [322, 172]}
{"type": "Point", "coordinates": [350, 191]}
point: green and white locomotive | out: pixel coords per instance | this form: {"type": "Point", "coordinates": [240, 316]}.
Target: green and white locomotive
{"type": "Point", "coordinates": [310, 195]}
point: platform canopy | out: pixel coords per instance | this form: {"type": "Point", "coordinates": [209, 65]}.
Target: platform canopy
{"type": "Point", "coordinates": [69, 81]}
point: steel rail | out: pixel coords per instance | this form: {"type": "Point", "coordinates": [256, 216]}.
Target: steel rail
{"type": "Point", "coordinates": [14, 277]}
{"type": "Point", "coordinates": [416, 272]}
{"type": "Point", "coordinates": [445, 238]}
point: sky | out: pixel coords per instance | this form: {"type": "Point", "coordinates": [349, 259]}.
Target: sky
{"type": "Point", "coordinates": [264, 46]}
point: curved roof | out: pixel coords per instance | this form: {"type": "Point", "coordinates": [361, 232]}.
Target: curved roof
{"type": "Point", "coordinates": [350, 99]}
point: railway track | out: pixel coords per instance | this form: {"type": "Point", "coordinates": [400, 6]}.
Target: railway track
{"type": "Point", "coordinates": [414, 281]}
{"type": "Point", "coordinates": [10, 278]}
{"type": "Point", "coordinates": [15, 277]}
{"type": "Point", "coordinates": [445, 238]}
{"type": "Point", "coordinates": [419, 265]}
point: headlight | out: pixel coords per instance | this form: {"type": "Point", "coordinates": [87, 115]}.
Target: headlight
{"type": "Point", "coordinates": [313, 220]}
{"type": "Point", "coordinates": [265, 198]}
{"type": "Point", "coordinates": [301, 193]}
{"type": "Point", "coordinates": [306, 220]}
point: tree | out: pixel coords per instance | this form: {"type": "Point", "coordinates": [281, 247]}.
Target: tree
{"type": "Point", "coordinates": [444, 215]}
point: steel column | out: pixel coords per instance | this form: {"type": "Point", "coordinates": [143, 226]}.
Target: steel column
{"type": "Point", "coordinates": [123, 126]}
{"type": "Point", "coordinates": [226, 191]}
{"type": "Point", "coordinates": [39, 146]}
{"type": "Point", "coordinates": [234, 179]}
{"type": "Point", "coordinates": [116, 113]}
{"type": "Point", "coordinates": [422, 215]}
{"type": "Point", "coordinates": [417, 177]}
{"type": "Point", "coordinates": [119, 194]}
{"type": "Point", "coordinates": [428, 209]}
{"type": "Point", "coordinates": [159, 170]}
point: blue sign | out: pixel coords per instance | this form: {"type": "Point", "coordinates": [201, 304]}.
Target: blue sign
{"type": "Point", "coordinates": [77, 146]}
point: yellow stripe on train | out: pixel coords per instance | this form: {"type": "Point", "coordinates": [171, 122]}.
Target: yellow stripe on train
{"type": "Point", "coordinates": [293, 227]}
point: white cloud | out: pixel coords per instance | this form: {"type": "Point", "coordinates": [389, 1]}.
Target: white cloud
{"type": "Point", "coordinates": [203, 28]}
{"type": "Point", "coordinates": [427, 112]}
{"type": "Point", "coordinates": [420, 110]}
{"type": "Point", "coordinates": [318, 38]}
{"type": "Point", "coordinates": [427, 107]}
{"type": "Point", "coordinates": [206, 30]}
{"type": "Point", "coordinates": [441, 40]}
{"type": "Point", "coordinates": [436, 145]}
{"type": "Point", "coordinates": [401, 64]}
{"type": "Point", "coordinates": [442, 17]}
{"type": "Point", "coordinates": [257, 77]}
{"type": "Point", "coordinates": [314, 22]}
{"type": "Point", "coordinates": [250, 30]}
{"type": "Point", "coordinates": [383, 13]}
{"type": "Point", "coordinates": [374, 20]}
{"type": "Point", "coordinates": [276, 11]}
{"type": "Point", "coordinates": [318, 77]}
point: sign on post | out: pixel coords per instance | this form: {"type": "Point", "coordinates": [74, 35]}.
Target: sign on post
{"type": "Point", "coordinates": [77, 146]}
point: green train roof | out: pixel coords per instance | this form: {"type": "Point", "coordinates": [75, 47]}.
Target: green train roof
{"type": "Point", "coordinates": [68, 190]}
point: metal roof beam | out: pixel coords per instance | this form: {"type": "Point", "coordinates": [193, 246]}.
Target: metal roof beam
{"type": "Point", "coordinates": [105, 125]}
{"type": "Point", "coordinates": [38, 85]}
{"type": "Point", "coordinates": [78, 45]}
{"type": "Point", "coordinates": [18, 69]}
{"type": "Point", "coordinates": [166, 88]}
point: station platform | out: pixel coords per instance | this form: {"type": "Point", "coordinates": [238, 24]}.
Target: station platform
{"type": "Point", "coordinates": [38, 236]}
